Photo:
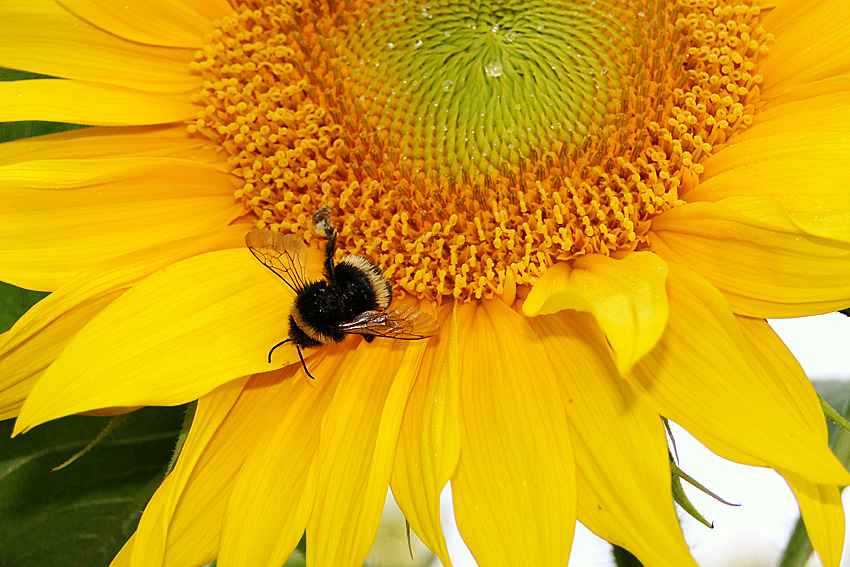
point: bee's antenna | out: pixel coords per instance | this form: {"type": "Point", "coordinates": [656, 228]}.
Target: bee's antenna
{"type": "Point", "coordinates": [277, 345]}
{"type": "Point", "coordinates": [298, 348]}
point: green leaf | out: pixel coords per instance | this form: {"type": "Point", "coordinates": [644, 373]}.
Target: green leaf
{"type": "Point", "coordinates": [623, 558]}
{"type": "Point", "coordinates": [14, 302]}
{"type": "Point", "coordinates": [80, 516]}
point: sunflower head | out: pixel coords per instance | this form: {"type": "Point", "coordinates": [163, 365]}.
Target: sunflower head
{"type": "Point", "coordinates": [466, 149]}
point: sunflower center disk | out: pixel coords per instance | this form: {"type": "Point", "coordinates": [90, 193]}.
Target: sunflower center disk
{"type": "Point", "coordinates": [466, 147]}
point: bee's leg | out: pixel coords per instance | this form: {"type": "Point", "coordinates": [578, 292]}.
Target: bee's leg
{"type": "Point", "coordinates": [304, 364]}
{"type": "Point", "coordinates": [330, 248]}
{"type": "Point", "coordinates": [277, 345]}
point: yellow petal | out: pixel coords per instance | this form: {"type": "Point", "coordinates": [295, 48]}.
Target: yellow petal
{"type": "Point", "coordinates": [764, 264]}
{"type": "Point", "coordinates": [25, 353]}
{"type": "Point", "coordinates": [358, 440]}
{"type": "Point", "coordinates": [173, 337]}
{"type": "Point", "coordinates": [95, 143]}
{"type": "Point", "coordinates": [105, 208]}
{"type": "Point", "coordinates": [152, 534]}
{"type": "Point", "coordinates": [820, 505]}
{"type": "Point", "coordinates": [429, 443]}
{"type": "Point", "coordinates": [823, 514]}
{"type": "Point", "coordinates": [42, 37]}
{"type": "Point", "coordinates": [139, 176]}
{"type": "Point", "coordinates": [38, 337]}
{"type": "Point", "coordinates": [626, 297]}
{"type": "Point", "coordinates": [122, 559]}
{"type": "Point", "coordinates": [514, 489]}
{"type": "Point", "coordinates": [58, 100]}
{"type": "Point", "coordinates": [798, 157]}
{"type": "Point", "coordinates": [813, 42]}
{"type": "Point", "coordinates": [774, 359]}
{"type": "Point", "coordinates": [199, 516]}
{"type": "Point", "coordinates": [620, 446]}
{"type": "Point", "coordinates": [278, 474]}
{"type": "Point", "coordinates": [182, 23]}
{"type": "Point", "coordinates": [704, 376]}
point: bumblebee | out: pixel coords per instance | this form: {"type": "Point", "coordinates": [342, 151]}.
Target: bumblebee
{"type": "Point", "coordinates": [352, 297]}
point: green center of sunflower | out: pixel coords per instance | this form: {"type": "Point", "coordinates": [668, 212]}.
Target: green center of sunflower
{"type": "Point", "coordinates": [465, 148]}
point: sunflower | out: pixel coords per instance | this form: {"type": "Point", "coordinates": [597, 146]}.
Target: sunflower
{"type": "Point", "coordinates": [600, 202]}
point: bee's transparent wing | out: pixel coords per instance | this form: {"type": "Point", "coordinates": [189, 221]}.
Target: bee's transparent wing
{"type": "Point", "coordinates": [283, 254]}
{"type": "Point", "coordinates": [403, 322]}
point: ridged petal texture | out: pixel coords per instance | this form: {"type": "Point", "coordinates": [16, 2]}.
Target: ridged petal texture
{"type": "Point", "coordinates": [598, 232]}
{"type": "Point", "coordinates": [722, 393]}
{"type": "Point", "coordinates": [173, 337]}
{"type": "Point", "coordinates": [515, 488]}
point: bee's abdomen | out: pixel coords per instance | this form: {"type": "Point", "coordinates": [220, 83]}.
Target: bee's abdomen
{"type": "Point", "coordinates": [299, 337]}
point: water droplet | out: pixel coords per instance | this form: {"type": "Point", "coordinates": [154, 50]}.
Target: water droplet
{"type": "Point", "coordinates": [540, 27]}
{"type": "Point", "coordinates": [391, 45]}
{"type": "Point", "coordinates": [511, 36]}
{"type": "Point", "coordinates": [603, 71]}
{"type": "Point", "coordinates": [495, 27]}
{"type": "Point", "coordinates": [518, 106]}
{"type": "Point", "coordinates": [417, 43]}
{"type": "Point", "coordinates": [493, 68]}
{"type": "Point", "coordinates": [447, 85]}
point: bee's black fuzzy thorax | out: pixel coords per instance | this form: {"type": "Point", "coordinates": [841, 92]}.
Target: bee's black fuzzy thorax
{"type": "Point", "coordinates": [320, 308]}
{"type": "Point", "coordinates": [366, 279]}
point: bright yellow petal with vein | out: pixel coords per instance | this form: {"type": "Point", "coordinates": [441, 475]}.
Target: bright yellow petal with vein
{"type": "Point", "coordinates": [764, 264]}
{"type": "Point", "coordinates": [354, 460]}
{"type": "Point", "coordinates": [107, 208]}
{"type": "Point", "coordinates": [798, 158]}
{"type": "Point", "coordinates": [620, 446]}
{"type": "Point", "coordinates": [823, 514]}
{"type": "Point", "coordinates": [800, 93]}
{"type": "Point", "coordinates": [44, 38]}
{"type": "Point", "coordinates": [626, 297]}
{"type": "Point", "coordinates": [58, 100]}
{"type": "Point", "coordinates": [210, 417]}
{"type": "Point", "coordinates": [122, 558]}
{"type": "Point", "coordinates": [139, 177]}
{"type": "Point", "coordinates": [195, 527]}
{"type": "Point", "coordinates": [813, 42]}
{"type": "Point", "coordinates": [704, 376]}
{"type": "Point", "coordinates": [774, 358]}
{"type": "Point", "coordinates": [38, 337]}
{"type": "Point", "coordinates": [177, 23]}
{"type": "Point", "coordinates": [514, 489]}
{"type": "Point", "coordinates": [428, 442]}
{"type": "Point", "coordinates": [173, 337]}
{"type": "Point", "coordinates": [101, 142]}
{"type": "Point", "coordinates": [279, 475]}
{"type": "Point", "coordinates": [820, 505]}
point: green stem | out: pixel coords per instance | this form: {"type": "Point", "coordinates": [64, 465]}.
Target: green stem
{"type": "Point", "coordinates": [799, 548]}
